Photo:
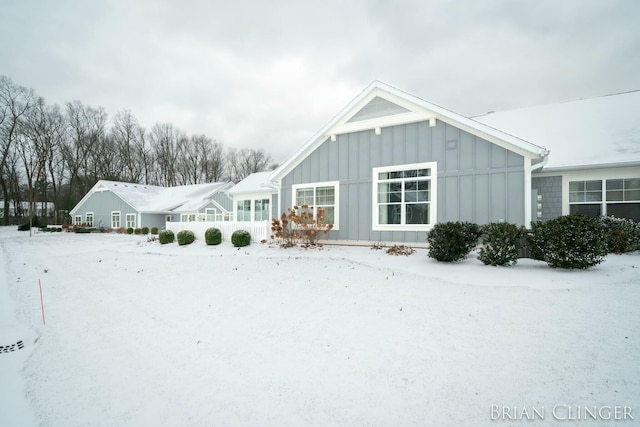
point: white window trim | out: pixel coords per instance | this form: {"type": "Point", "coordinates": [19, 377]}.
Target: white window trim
{"type": "Point", "coordinates": [86, 218]}
{"type": "Point", "coordinates": [433, 208]}
{"type": "Point", "coordinates": [603, 202]}
{"type": "Point", "coordinates": [77, 220]}
{"type": "Point", "coordinates": [126, 220]}
{"type": "Point", "coordinates": [119, 219]}
{"type": "Point", "coordinates": [314, 185]}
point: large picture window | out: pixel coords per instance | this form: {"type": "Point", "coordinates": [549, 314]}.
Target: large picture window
{"type": "Point", "coordinates": [617, 197]}
{"type": "Point", "coordinates": [323, 195]}
{"type": "Point", "coordinates": [404, 197]}
{"type": "Point", "coordinates": [262, 210]}
{"type": "Point", "coordinates": [244, 210]}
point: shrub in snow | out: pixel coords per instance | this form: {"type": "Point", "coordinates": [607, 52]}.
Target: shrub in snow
{"type": "Point", "coordinates": [129, 230]}
{"type": "Point", "coordinates": [623, 235]}
{"type": "Point", "coordinates": [213, 236]}
{"type": "Point", "coordinates": [500, 243]}
{"type": "Point", "coordinates": [452, 241]}
{"type": "Point", "coordinates": [24, 227]}
{"type": "Point", "coordinates": [240, 238]}
{"type": "Point", "coordinates": [300, 226]}
{"type": "Point", "coordinates": [137, 231]}
{"type": "Point", "coordinates": [145, 230]}
{"type": "Point", "coordinates": [185, 237]}
{"type": "Point", "coordinates": [154, 230]}
{"type": "Point", "coordinates": [570, 241]}
{"type": "Point", "coordinates": [166, 236]}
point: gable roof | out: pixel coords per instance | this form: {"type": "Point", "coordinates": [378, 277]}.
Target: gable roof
{"type": "Point", "coordinates": [257, 182]}
{"type": "Point", "coordinates": [381, 105]}
{"type": "Point", "coordinates": [151, 198]}
{"type": "Point", "coordinates": [601, 131]}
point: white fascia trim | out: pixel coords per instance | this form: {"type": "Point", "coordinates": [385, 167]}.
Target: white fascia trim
{"type": "Point", "coordinates": [381, 122]}
{"type": "Point", "coordinates": [335, 185]}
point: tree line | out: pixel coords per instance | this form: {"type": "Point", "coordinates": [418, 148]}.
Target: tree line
{"type": "Point", "coordinates": [52, 153]}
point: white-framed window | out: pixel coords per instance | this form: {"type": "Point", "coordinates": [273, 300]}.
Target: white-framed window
{"type": "Point", "coordinates": [617, 197]}
{"type": "Point", "coordinates": [211, 214]}
{"type": "Point", "coordinates": [131, 220]}
{"type": "Point", "coordinates": [89, 218]}
{"type": "Point", "coordinates": [262, 211]}
{"type": "Point", "coordinates": [187, 217]}
{"type": "Point", "coordinates": [77, 220]}
{"type": "Point", "coordinates": [325, 195]}
{"type": "Point", "coordinates": [115, 219]}
{"type": "Point", "coordinates": [243, 208]}
{"type": "Point", "coordinates": [404, 197]}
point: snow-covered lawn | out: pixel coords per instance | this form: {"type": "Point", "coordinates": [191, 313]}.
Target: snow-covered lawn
{"type": "Point", "coordinates": [139, 334]}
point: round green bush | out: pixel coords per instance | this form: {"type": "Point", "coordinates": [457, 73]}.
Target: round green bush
{"type": "Point", "coordinates": [185, 237]}
{"type": "Point", "coordinates": [240, 238]}
{"type": "Point", "coordinates": [452, 241]}
{"type": "Point", "coordinates": [213, 236]}
{"type": "Point", "coordinates": [154, 230]}
{"type": "Point", "coordinates": [137, 231]}
{"type": "Point", "coordinates": [623, 235]}
{"type": "Point", "coordinates": [569, 241]}
{"type": "Point", "coordinates": [145, 230]}
{"type": "Point", "coordinates": [166, 236]}
{"type": "Point", "coordinates": [129, 230]}
{"type": "Point", "coordinates": [501, 242]}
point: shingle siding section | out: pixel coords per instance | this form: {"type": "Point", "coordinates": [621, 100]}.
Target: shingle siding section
{"type": "Point", "coordinates": [550, 188]}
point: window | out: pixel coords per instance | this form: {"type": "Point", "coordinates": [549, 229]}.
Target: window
{"type": "Point", "coordinates": [323, 195]}
{"type": "Point", "coordinates": [404, 197]}
{"type": "Point", "coordinates": [115, 219]}
{"type": "Point", "coordinates": [77, 220]}
{"type": "Point", "coordinates": [244, 210]}
{"type": "Point", "coordinates": [617, 197]}
{"type": "Point", "coordinates": [131, 220]}
{"type": "Point", "coordinates": [210, 214]}
{"type": "Point", "coordinates": [187, 217]}
{"type": "Point", "coordinates": [89, 219]}
{"type": "Point", "coordinates": [262, 211]}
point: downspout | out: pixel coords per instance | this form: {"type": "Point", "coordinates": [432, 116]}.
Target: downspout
{"type": "Point", "coordinates": [528, 177]}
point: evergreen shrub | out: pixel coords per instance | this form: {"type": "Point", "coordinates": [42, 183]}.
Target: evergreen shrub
{"type": "Point", "coordinates": [240, 238]}
{"type": "Point", "coordinates": [145, 230]}
{"type": "Point", "coordinates": [452, 241]}
{"type": "Point", "coordinates": [213, 236]}
{"type": "Point", "coordinates": [129, 230]}
{"type": "Point", "coordinates": [154, 230]}
{"type": "Point", "coordinates": [166, 236]}
{"type": "Point", "coordinates": [185, 237]}
{"type": "Point", "coordinates": [500, 243]}
{"type": "Point", "coordinates": [137, 231]}
{"type": "Point", "coordinates": [24, 227]}
{"type": "Point", "coordinates": [623, 235]}
{"type": "Point", "coordinates": [569, 241]}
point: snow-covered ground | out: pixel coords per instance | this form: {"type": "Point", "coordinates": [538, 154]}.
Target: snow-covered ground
{"type": "Point", "coordinates": [139, 334]}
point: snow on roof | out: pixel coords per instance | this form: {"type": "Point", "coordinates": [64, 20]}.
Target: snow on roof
{"type": "Point", "coordinates": [585, 132]}
{"type": "Point", "coordinates": [150, 198]}
{"type": "Point", "coordinates": [258, 182]}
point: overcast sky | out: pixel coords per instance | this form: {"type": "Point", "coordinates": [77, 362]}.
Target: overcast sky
{"type": "Point", "coordinates": [269, 74]}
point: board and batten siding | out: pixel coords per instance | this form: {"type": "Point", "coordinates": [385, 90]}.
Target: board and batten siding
{"type": "Point", "coordinates": [477, 181]}
{"type": "Point", "coordinates": [102, 203]}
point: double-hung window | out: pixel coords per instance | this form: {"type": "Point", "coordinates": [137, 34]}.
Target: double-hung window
{"type": "Point", "coordinates": [115, 219]}
{"type": "Point", "coordinates": [404, 197]}
{"type": "Point", "coordinates": [89, 219]}
{"type": "Point", "coordinates": [262, 211]}
{"type": "Point", "coordinates": [323, 195]}
{"type": "Point", "coordinates": [131, 220]}
{"type": "Point", "coordinates": [243, 210]}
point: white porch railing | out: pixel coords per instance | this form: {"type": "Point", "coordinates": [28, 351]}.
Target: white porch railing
{"type": "Point", "coordinates": [259, 230]}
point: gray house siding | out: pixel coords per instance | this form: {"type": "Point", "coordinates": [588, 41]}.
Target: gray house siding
{"type": "Point", "coordinates": [102, 204]}
{"type": "Point", "coordinates": [477, 181]}
{"type": "Point", "coordinates": [153, 220]}
{"type": "Point", "coordinates": [224, 200]}
{"type": "Point", "coordinates": [550, 188]}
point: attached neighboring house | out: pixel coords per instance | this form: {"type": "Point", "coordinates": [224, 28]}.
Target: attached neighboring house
{"type": "Point", "coordinates": [390, 165]}
{"type": "Point", "coordinates": [112, 204]}
{"type": "Point", "coordinates": [594, 162]}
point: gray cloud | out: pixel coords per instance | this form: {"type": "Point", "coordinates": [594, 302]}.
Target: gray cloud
{"type": "Point", "coordinates": [269, 74]}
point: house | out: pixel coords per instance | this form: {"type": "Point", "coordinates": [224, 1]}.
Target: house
{"type": "Point", "coordinates": [594, 163]}
{"type": "Point", "coordinates": [111, 204]}
{"type": "Point", "coordinates": [390, 165]}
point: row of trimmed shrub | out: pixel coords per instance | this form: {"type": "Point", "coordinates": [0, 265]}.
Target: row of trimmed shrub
{"type": "Point", "coordinates": [570, 241]}
{"type": "Point", "coordinates": [212, 236]}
